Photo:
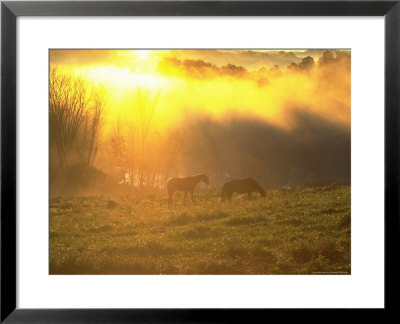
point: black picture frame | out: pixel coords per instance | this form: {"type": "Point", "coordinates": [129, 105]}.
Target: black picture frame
{"type": "Point", "coordinates": [10, 10]}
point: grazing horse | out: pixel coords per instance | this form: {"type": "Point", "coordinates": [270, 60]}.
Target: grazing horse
{"type": "Point", "coordinates": [248, 185]}
{"type": "Point", "coordinates": [185, 184]}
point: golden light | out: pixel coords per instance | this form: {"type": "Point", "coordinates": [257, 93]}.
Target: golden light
{"type": "Point", "coordinates": [143, 55]}
{"type": "Point", "coordinates": [201, 91]}
{"type": "Point", "coordinates": [124, 78]}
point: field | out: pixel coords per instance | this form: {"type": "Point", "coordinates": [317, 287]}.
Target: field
{"type": "Point", "coordinates": [296, 231]}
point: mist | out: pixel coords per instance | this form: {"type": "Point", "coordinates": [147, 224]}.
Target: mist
{"type": "Point", "coordinates": [126, 121]}
{"type": "Point", "coordinates": [313, 152]}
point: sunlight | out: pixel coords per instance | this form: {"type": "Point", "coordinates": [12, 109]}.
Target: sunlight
{"type": "Point", "coordinates": [190, 85]}
{"type": "Point", "coordinates": [125, 78]}
{"type": "Point", "coordinates": [152, 152]}
{"type": "Point", "coordinates": [143, 55]}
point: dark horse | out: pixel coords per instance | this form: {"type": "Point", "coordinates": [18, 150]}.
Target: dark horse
{"type": "Point", "coordinates": [248, 185]}
{"type": "Point", "coordinates": [185, 184]}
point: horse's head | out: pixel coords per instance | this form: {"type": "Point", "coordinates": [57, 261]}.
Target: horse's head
{"type": "Point", "coordinates": [204, 178]}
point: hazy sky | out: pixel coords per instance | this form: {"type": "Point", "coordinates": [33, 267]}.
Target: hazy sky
{"type": "Point", "coordinates": [250, 59]}
{"type": "Point", "coordinates": [218, 82]}
{"type": "Point", "coordinates": [277, 114]}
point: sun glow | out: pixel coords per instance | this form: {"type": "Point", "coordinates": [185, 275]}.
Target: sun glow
{"type": "Point", "coordinates": [119, 78]}
{"type": "Point", "coordinates": [193, 85]}
{"type": "Point", "coordinates": [156, 111]}
{"type": "Point", "coordinates": [142, 55]}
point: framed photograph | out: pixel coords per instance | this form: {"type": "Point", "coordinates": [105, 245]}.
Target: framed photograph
{"type": "Point", "coordinates": [190, 161]}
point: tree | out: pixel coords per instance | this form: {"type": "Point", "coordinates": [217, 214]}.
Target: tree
{"type": "Point", "coordinates": [307, 64]}
{"type": "Point", "coordinates": [75, 110]}
{"type": "Point", "coordinates": [327, 57]}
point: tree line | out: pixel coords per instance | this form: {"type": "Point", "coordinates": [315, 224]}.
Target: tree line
{"type": "Point", "coordinates": [134, 155]}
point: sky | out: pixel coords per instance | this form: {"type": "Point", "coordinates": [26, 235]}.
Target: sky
{"type": "Point", "coordinates": [292, 107]}
{"type": "Point", "coordinates": [257, 83]}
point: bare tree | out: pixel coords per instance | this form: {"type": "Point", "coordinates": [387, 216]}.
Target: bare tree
{"type": "Point", "coordinates": [75, 109]}
{"type": "Point", "coordinates": [144, 111]}
{"type": "Point", "coordinates": [139, 148]}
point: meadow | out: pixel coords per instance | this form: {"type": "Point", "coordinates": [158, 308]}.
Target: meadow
{"type": "Point", "coordinates": [295, 231]}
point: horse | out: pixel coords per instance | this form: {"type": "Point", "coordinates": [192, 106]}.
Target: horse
{"type": "Point", "coordinates": [248, 185]}
{"type": "Point", "coordinates": [185, 184]}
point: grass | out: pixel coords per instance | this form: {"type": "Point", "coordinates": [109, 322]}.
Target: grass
{"type": "Point", "coordinates": [297, 231]}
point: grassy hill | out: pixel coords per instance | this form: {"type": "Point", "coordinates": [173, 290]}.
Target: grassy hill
{"type": "Point", "coordinates": [297, 231]}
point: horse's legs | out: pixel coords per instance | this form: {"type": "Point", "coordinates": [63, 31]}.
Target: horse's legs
{"type": "Point", "coordinates": [191, 195]}
{"type": "Point", "coordinates": [249, 195]}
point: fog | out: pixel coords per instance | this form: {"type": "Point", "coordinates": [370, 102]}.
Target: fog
{"type": "Point", "coordinates": [140, 117]}
{"type": "Point", "coordinates": [313, 152]}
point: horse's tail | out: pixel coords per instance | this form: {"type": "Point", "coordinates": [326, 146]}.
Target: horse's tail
{"type": "Point", "coordinates": [167, 185]}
